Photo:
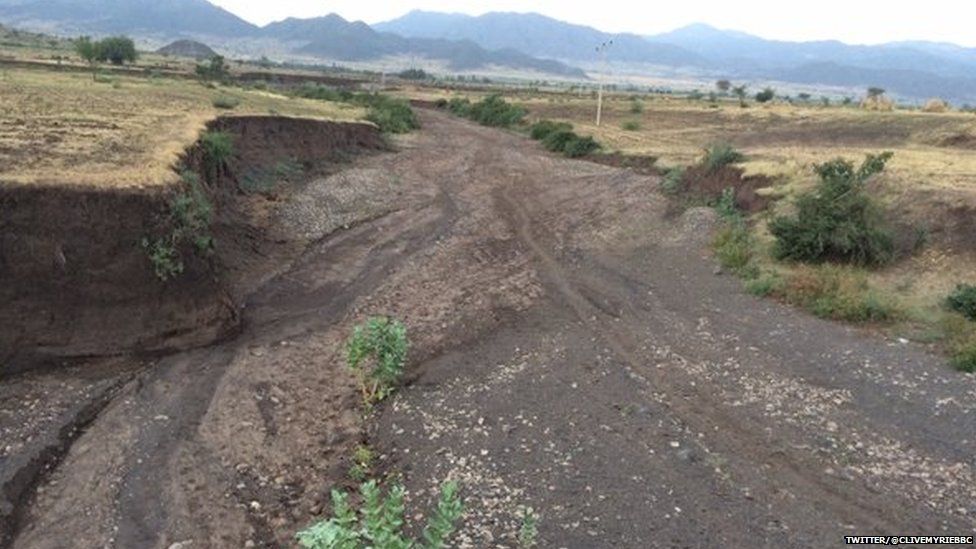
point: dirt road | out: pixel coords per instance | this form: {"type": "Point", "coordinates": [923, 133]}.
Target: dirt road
{"type": "Point", "coordinates": [573, 350]}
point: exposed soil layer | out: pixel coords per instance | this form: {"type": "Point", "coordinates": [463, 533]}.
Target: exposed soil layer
{"type": "Point", "coordinates": [708, 185]}
{"type": "Point", "coordinates": [572, 350]}
{"type": "Point", "coordinates": [77, 280]}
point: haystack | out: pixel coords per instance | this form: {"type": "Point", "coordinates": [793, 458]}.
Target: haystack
{"type": "Point", "coordinates": [877, 103]}
{"type": "Point", "coordinates": [935, 105]}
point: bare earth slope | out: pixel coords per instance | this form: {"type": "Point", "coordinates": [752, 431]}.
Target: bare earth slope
{"type": "Point", "coordinates": [573, 351]}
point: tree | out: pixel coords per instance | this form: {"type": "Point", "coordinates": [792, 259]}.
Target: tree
{"type": "Point", "coordinates": [215, 69]}
{"type": "Point", "coordinates": [87, 50]}
{"type": "Point", "coordinates": [723, 86]}
{"type": "Point", "coordinates": [116, 49]}
{"type": "Point", "coordinates": [803, 97]}
{"type": "Point", "coordinates": [875, 91]}
{"type": "Point", "coordinates": [740, 92]}
{"type": "Point", "coordinates": [766, 95]}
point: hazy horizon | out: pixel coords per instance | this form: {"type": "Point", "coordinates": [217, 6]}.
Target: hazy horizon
{"type": "Point", "coordinates": [850, 22]}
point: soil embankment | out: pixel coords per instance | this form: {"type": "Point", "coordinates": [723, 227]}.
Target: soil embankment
{"type": "Point", "coordinates": [78, 281]}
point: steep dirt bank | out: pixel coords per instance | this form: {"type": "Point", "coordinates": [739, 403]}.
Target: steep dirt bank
{"type": "Point", "coordinates": [77, 281]}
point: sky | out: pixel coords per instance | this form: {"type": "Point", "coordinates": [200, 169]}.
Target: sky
{"type": "Point", "coordinates": [851, 21]}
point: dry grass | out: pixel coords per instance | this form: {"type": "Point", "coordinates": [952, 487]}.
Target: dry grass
{"type": "Point", "coordinates": [62, 128]}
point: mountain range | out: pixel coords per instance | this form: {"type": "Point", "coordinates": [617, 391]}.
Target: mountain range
{"type": "Point", "coordinates": [330, 37]}
{"type": "Point", "coordinates": [526, 42]}
{"type": "Point", "coordinates": [915, 70]}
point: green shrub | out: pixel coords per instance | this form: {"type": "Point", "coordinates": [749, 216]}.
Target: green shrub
{"type": "Point", "coordinates": [495, 112]}
{"type": "Point", "coordinates": [383, 342]}
{"type": "Point", "coordinates": [380, 521]}
{"type": "Point", "coordinates": [764, 285]}
{"type": "Point", "coordinates": [734, 248]}
{"type": "Point", "coordinates": [964, 358]}
{"type": "Point", "coordinates": [391, 115]}
{"type": "Point", "coordinates": [543, 128]}
{"type": "Point", "coordinates": [837, 221]}
{"type": "Point", "coordinates": [557, 140]}
{"type": "Point", "coordinates": [963, 300]}
{"type": "Point", "coordinates": [581, 146]}
{"type": "Point", "coordinates": [719, 155]}
{"type": "Point", "coordinates": [459, 106]}
{"type": "Point", "coordinates": [226, 102]}
{"type": "Point", "coordinates": [636, 106]}
{"type": "Point", "coordinates": [838, 293]}
{"type": "Point", "coordinates": [631, 126]}
{"type": "Point", "coordinates": [217, 149]}
{"type": "Point", "coordinates": [312, 90]}
{"type": "Point", "coordinates": [766, 95]}
{"type": "Point", "coordinates": [673, 181]}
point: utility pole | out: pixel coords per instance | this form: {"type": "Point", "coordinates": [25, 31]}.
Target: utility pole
{"type": "Point", "coordinates": [602, 50]}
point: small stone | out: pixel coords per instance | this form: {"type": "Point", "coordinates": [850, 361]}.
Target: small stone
{"type": "Point", "coordinates": [255, 505]}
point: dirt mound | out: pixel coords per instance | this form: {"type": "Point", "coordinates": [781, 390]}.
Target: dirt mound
{"type": "Point", "coordinates": [78, 282]}
{"type": "Point", "coordinates": [708, 185]}
{"type": "Point", "coordinates": [960, 140]}
{"type": "Point", "coordinates": [188, 48]}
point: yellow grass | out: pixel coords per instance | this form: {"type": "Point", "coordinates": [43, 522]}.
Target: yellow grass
{"type": "Point", "coordinates": [62, 128]}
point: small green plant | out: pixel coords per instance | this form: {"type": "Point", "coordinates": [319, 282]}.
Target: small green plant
{"type": "Point", "coordinates": [362, 463]}
{"type": "Point", "coordinates": [380, 521]}
{"type": "Point", "coordinates": [190, 216]}
{"type": "Point", "coordinates": [636, 106]}
{"type": "Point", "coordinates": [377, 351]}
{"type": "Point", "coordinates": [725, 205]}
{"type": "Point", "coordinates": [673, 181]}
{"type": "Point", "coordinates": [631, 126]}
{"type": "Point", "coordinates": [226, 102]}
{"type": "Point", "coordinates": [837, 221]}
{"type": "Point", "coordinates": [719, 155]}
{"type": "Point", "coordinates": [963, 301]}
{"type": "Point", "coordinates": [217, 149]}
{"type": "Point", "coordinates": [164, 257]}
{"type": "Point", "coordinates": [529, 531]}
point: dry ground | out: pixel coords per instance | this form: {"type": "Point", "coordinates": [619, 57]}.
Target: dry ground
{"type": "Point", "coordinates": [573, 351]}
{"type": "Point", "coordinates": [64, 128]}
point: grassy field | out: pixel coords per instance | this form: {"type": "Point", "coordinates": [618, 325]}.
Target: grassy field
{"type": "Point", "coordinates": [61, 127]}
